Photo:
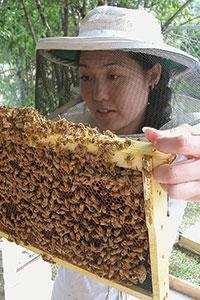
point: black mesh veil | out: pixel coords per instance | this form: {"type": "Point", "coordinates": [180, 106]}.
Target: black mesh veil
{"type": "Point", "coordinates": [56, 84]}
{"type": "Point", "coordinates": [175, 99]}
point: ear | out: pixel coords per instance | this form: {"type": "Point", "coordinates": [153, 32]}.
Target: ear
{"type": "Point", "coordinates": [154, 75]}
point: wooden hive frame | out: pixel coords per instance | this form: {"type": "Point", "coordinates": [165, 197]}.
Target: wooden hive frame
{"type": "Point", "coordinates": [142, 157]}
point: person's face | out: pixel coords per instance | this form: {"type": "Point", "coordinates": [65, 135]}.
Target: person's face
{"type": "Point", "coordinates": [115, 89]}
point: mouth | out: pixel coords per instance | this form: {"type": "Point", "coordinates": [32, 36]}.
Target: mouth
{"type": "Point", "coordinates": [104, 112]}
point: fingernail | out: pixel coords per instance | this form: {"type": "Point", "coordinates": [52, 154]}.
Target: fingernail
{"type": "Point", "coordinates": [144, 129]}
{"type": "Point", "coordinates": [151, 133]}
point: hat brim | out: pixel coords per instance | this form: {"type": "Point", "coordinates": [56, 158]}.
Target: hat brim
{"type": "Point", "coordinates": [68, 48]}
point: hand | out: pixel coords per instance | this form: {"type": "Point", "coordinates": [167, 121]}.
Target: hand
{"type": "Point", "coordinates": [181, 179]}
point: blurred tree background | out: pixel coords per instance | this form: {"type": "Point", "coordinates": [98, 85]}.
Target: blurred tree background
{"type": "Point", "coordinates": [23, 22]}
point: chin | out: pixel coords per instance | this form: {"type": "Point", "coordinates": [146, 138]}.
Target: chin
{"type": "Point", "coordinates": [110, 127]}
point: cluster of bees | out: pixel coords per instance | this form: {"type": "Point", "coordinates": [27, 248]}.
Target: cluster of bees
{"type": "Point", "coordinates": [74, 204]}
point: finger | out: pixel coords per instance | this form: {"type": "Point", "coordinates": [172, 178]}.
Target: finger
{"type": "Point", "coordinates": [179, 140]}
{"type": "Point", "coordinates": [195, 199]}
{"type": "Point", "coordinates": [185, 191]}
{"type": "Point", "coordinates": [185, 145]}
{"type": "Point", "coordinates": [153, 134]}
{"type": "Point", "coordinates": [178, 172]}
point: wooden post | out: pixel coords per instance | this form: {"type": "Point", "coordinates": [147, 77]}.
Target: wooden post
{"type": "Point", "coordinates": [190, 239]}
{"type": "Point", "coordinates": [184, 287]}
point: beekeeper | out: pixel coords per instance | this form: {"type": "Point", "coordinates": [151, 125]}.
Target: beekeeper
{"type": "Point", "coordinates": [126, 71]}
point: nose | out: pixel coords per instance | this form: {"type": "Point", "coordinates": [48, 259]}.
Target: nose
{"type": "Point", "coordinates": [100, 90]}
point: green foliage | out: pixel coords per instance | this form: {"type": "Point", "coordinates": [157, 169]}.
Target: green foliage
{"type": "Point", "coordinates": [18, 45]}
{"type": "Point", "coordinates": [191, 216]}
{"type": "Point", "coordinates": [183, 263]}
{"type": "Point", "coordinates": [17, 54]}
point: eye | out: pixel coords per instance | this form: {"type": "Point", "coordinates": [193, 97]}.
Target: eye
{"type": "Point", "coordinates": [113, 76]}
{"type": "Point", "coordinates": [85, 78]}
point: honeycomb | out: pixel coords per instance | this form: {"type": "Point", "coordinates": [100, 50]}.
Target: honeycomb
{"type": "Point", "coordinates": [70, 199]}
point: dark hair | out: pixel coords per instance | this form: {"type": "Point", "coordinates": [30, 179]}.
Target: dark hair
{"type": "Point", "coordinates": [158, 110]}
